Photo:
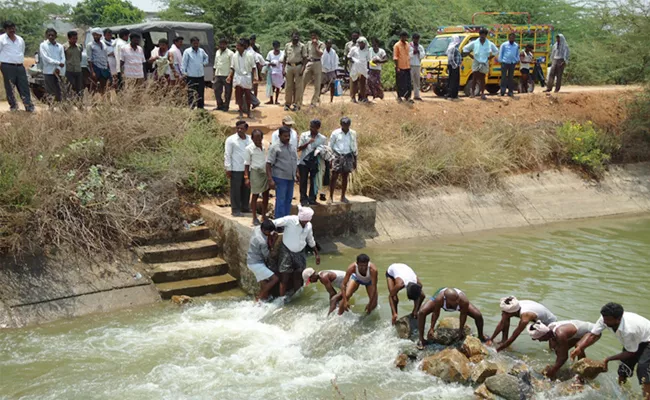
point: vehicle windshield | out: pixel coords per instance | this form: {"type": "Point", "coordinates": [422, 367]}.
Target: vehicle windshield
{"type": "Point", "coordinates": [439, 44]}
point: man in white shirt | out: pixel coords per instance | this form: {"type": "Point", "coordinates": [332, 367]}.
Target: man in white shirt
{"type": "Point", "coordinates": [416, 52]}
{"type": "Point", "coordinates": [222, 63]}
{"type": "Point", "coordinates": [343, 143]}
{"type": "Point", "coordinates": [255, 173]}
{"type": "Point", "coordinates": [121, 41]}
{"type": "Point", "coordinates": [243, 71]}
{"type": "Point", "coordinates": [177, 56]}
{"type": "Point", "coordinates": [234, 162]}
{"type": "Point", "coordinates": [398, 277]}
{"type": "Point", "coordinates": [288, 122]}
{"type": "Point", "coordinates": [298, 233]}
{"type": "Point", "coordinates": [633, 331]}
{"type": "Point", "coordinates": [132, 60]}
{"type": "Point", "coordinates": [12, 56]}
{"type": "Point", "coordinates": [330, 62]}
{"type": "Point", "coordinates": [53, 57]}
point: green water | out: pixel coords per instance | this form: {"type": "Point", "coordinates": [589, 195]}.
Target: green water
{"type": "Point", "coordinates": [236, 350]}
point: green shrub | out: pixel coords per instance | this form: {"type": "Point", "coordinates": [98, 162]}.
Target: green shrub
{"type": "Point", "coordinates": [15, 192]}
{"type": "Point", "coordinates": [388, 79]}
{"type": "Point", "coordinates": [587, 146]}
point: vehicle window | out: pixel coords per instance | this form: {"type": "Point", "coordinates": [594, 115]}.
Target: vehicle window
{"type": "Point", "coordinates": [187, 35]}
{"type": "Point", "coordinates": [439, 44]}
{"type": "Point", "coordinates": [156, 36]}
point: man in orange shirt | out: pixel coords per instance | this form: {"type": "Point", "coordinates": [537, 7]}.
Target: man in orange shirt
{"type": "Point", "coordinates": [403, 68]}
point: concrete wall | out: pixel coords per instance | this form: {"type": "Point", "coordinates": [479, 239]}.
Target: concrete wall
{"type": "Point", "coordinates": [41, 288]}
{"type": "Point", "coordinates": [521, 200]}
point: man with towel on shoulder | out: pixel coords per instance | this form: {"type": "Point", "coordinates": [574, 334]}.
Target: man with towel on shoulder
{"type": "Point", "coordinates": [297, 235]}
{"type": "Point", "coordinates": [527, 311]}
{"type": "Point", "coordinates": [331, 279]}
{"type": "Point", "coordinates": [561, 336]}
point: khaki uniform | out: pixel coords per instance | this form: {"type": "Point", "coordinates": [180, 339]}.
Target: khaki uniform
{"type": "Point", "coordinates": [294, 57]}
{"type": "Point", "coordinates": [314, 70]}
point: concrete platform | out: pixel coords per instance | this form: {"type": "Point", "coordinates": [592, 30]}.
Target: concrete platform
{"type": "Point", "coordinates": [178, 271]}
{"type": "Point", "coordinates": [185, 251]}
{"type": "Point", "coordinates": [334, 226]}
{"type": "Point", "coordinates": [197, 287]}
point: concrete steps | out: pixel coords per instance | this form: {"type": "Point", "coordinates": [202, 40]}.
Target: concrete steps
{"type": "Point", "coordinates": [185, 263]}
{"type": "Point", "coordinates": [197, 287]}
{"type": "Point", "coordinates": [178, 271]}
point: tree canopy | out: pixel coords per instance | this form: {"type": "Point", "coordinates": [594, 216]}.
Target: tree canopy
{"type": "Point", "coordinates": [106, 12]}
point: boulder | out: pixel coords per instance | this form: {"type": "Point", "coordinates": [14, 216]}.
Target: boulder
{"type": "Point", "coordinates": [450, 365]}
{"type": "Point", "coordinates": [446, 333]}
{"type": "Point", "coordinates": [484, 370]}
{"type": "Point", "coordinates": [474, 349]}
{"type": "Point", "coordinates": [402, 361]}
{"type": "Point", "coordinates": [483, 393]}
{"type": "Point", "coordinates": [519, 369]}
{"type": "Point", "coordinates": [407, 327]}
{"type": "Point", "coordinates": [181, 299]}
{"type": "Point", "coordinates": [504, 385]}
{"type": "Point", "coordinates": [587, 368]}
{"type": "Point", "coordinates": [569, 388]}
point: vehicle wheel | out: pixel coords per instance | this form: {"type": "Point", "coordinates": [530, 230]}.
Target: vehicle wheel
{"type": "Point", "coordinates": [424, 85]}
{"type": "Point", "coordinates": [440, 90]}
{"type": "Point", "coordinates": [492, 89]}
{"type": "Point", "coordinates": [38, 91]}
{"type": "Point", "coordinates": [470, 84]}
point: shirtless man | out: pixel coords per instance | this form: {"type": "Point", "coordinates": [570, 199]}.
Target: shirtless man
{"type": "Point", "coordinates": [561, 336]}
{"type": "Point", "coordinates": [331, 279]}
{"type": "Point", "coordinates": [361, 273]}
{"type": "Point", "coordinates": [398, 277]}
{"type": "Point", "coordinates": [527, 311]}
{"type": "Point", "coordinates": [449, 299]}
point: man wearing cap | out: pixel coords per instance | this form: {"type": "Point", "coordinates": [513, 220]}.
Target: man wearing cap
{"type": "Point", "coordinates": [343, 143]}
{"type": "Point", "coordinates": [297, 235]}
{"type": "Point", "coordinates": [12, 56]}
{"type": "Point", "coordinates": [314, 69]}
{"type": "Point", "coordinates": [398, 277]}
{"type": "Point", "coordinates": [261, 243]}
{"type": "Point", "coordinates": [288, 122]}
{"type": "Point", "coordinates": [360, 273]}
{"type": "Point", "coordinates": [527, 311]}
{"type": "Point", "coordinates": [295, 59]}
{"type": "Point", "coordinates": [331, 279]}
{"type": "Point", "coordinates": [561, 336]}
{"type": "Point", "coordinates": [100, 74]}
{"type": "Point", "coordinates": [633, 332]}
{"type": "Point", "coordinates": [449, 299]}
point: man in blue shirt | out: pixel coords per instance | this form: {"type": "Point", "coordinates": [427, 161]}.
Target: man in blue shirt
{"type": "Point", "coordinates": [194, 59]}
{"type": "Point", "coordinates": [508, 57]}
{"type": "Point", "coordinates": [483, 51]}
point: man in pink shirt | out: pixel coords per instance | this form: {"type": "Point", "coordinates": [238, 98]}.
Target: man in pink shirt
{"type": "Point", "coordinates": [132, 61]}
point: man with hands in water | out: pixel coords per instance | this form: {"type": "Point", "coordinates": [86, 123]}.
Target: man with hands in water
{"type": "Point", "coordinates": [398, 277]}
{"type": "Point", "coordinates": [527, 311]}
{"type": "Point", "coordinates": [361, 273]}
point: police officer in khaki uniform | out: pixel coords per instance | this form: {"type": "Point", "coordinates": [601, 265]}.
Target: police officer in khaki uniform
{"type": "Point", "coordinates": [314, 69]}
{"type": "Point", "coordinates": [295, 60]}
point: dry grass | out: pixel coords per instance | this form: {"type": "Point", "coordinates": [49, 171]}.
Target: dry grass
{"type": "Point", "coordinates": [93, 179]}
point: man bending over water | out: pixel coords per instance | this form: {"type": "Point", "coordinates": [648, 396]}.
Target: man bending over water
{"type": "Point", "coordinates": [361, 273]}
{"type": "Point", "coordinates": [398, 277]}
{"type": "Point", "coordinates": [331, 279]}
{"type": "Point", "coordinates": [527, 311]}
{"type": "Point", "coordinates": [449, 299]}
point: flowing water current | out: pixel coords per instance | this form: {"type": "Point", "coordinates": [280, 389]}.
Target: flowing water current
{"type": "Point", "coordinates": [233, 349]}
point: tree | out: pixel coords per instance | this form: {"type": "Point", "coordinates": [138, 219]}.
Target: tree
{"type": "Point", "coordinates": [106, 13]}
{"type": "Point", "coordinates": [29, 18]}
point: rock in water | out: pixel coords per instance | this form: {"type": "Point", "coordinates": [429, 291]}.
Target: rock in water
{"type": "Point", "coordinates": [587, 368]}
{"type": "Point", "coordinates": [484, 370]}
{"type": "Point", "coordinates": [181, 299]}
{"type": "Point", "coordinates": [402, 361]}
{"type": "Point", "coordinates": [407, 327]}
{"type": "Point", "coordinates": [450, 365]}
{"type": "Point", "coordinates": [504, 385]}
{"type": "Point", "coordinates": [446, 332]}
{"type": "Point", "coordinates": [474, 349]}
{"type": "Point", "coordinates": [482, 392]}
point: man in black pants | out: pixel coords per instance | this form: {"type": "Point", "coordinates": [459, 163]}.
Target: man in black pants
{"type": "Point", "coordinates": [192, 67]}
{"type": "Point", "coordinates": [403, 68]}
{"type": "Point", "coordinates": [308, 162]}
{"type": "Point", "coordinates": [73, 73]}
{"type": "Point", "coordinates": [12, 56]}
{"type": "Point", "coordinates": [235, 165]}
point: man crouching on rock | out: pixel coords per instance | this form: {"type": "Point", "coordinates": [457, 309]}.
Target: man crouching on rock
{"type": "Point", "coordinates": [398, 277]}
{"type": "Point", "coordinates": [449, 299]}
{"type": "Point", "coordinates": [361, 273]}
{"type": "Point", "coordinates": [561, 336]}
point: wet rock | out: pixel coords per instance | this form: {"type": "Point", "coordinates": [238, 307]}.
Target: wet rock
{"type": "Point", "coordinates": [569, 388]}
{"type": "Point", "coordinates": [587, 368]}
{"type": "Point", "coordinates": [407, 327]}
{"type": "Point", "coordinates": [447, 331]}
{"type": "Point", "coordinates": [181, 299]}
{"type": "Point", "coordinates": [474, 349]}
{"type": "Point", "coordinates": [519, 370]}
{"type": "Point", "coordinates": [484, 370]}
{"type": "Point", "coordinates": [483, 393]}
{"type": "Point", "coordinates": [450, 365]}
{"type": "Point", "coordinates": [504, 385]}
{"type": "Point", "coordinates": [402, 361]}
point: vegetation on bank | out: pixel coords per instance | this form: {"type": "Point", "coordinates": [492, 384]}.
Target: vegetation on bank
{"type": "Point", "coordinates": [124, 165]}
